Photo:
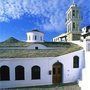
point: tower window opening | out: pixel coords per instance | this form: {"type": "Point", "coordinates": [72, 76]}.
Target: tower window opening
{"type": "Point", "coordinates": [73, 13]}
{"type": "Point", "coordinates": [74, 25]}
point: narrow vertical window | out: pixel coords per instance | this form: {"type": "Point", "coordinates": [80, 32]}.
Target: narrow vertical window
{"type": "Point", "coordinates": [76, 62]}
{"type": "Point", "coordinates": [35, 37]}
{"type": "Point", "coordinates": [4, 73]}
{"type": "Point", "coordinates": [35, 72]}
{"type": "Point", "coordinates": [19, 73]}
{"type": "Point", "coordinates": [73, 13]}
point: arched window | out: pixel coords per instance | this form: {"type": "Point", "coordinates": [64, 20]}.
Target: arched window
{"type": "Point", "coordinates": [19, 73]}
{"type": "Point", "coordinates": [35, 72]}
{"type": "Point", "coordinates": [75, 62]}
{"type": "Point", "coordinates": [4, 73]}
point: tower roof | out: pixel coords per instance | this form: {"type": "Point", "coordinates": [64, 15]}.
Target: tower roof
{"type": "Point", "coordinates": [73, 4]}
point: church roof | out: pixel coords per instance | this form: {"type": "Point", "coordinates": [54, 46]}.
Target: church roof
{"type": "Point", "coordinates": [7, 49]}
{"type": "Point", "coordinates": [35, 30]}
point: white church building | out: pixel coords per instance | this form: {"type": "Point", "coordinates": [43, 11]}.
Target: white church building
{"type": "Point", "coordinates": [39, 63]}
{"type": "Point", "coordinates": [35, 62]}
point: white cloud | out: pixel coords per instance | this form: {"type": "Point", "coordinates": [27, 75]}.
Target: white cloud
{"type": "Point", "coordinates": [53, 10]}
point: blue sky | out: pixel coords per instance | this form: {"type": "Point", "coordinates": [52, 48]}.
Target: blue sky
{"type": "Point", "coordinates": [20, 16]}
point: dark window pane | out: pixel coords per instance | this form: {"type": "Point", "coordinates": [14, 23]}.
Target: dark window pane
{"type": "Point", "coordinates": [50, 72]}
{"type": "Point", "coordinates": [36, 48]}
{"type": "Point", "coordinates": [4, 73]}
{"type": "Point", "coordinates": [19, 73]}
{"type": "Point", "coordinates": [76, 62]}
{"type": "Point", "coordinates": [73, 25]}
{"type": "Point", "coordinates": [35, 37]}
{"type": "Point", "coordinates": [73, 12]}
{"type": "Point", "coordinates": [35, 72]}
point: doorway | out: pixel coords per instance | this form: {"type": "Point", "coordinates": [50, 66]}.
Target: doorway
{"type": "Point", "coordinates": [57, 74]}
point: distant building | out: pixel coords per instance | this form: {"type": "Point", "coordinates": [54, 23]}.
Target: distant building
{"type": "Point", "coordinates": [85, 30]}
{"type": "Point", "coordinates": [35, 36]}
{"type": "Point", "coordinates": [60, 38]}
{"type": "Point", "coordinates": [85, 37]}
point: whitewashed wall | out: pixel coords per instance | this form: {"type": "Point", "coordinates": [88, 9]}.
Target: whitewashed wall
{"type": "Point", "coordinates": [70, 74]}
{"type": "Point", "coordinates": [31, 37]}
{"type": "Point", "coordinates": [40, 46]}
{"type": "Point", "coordinates": [88, 45]}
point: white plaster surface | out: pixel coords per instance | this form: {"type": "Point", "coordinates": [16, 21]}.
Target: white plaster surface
{"type": "Point", "coordinates": [70, 74]}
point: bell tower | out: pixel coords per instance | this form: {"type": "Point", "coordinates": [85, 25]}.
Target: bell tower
{"type": "Point", "coordinates": [72, 23]}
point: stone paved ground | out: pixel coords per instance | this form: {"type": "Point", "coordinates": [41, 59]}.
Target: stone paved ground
{"type": "Point", "coordinates": [56, 87]}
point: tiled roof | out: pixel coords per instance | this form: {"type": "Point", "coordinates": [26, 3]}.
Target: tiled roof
{"type": "Point", "coordinates": [61, 49]}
